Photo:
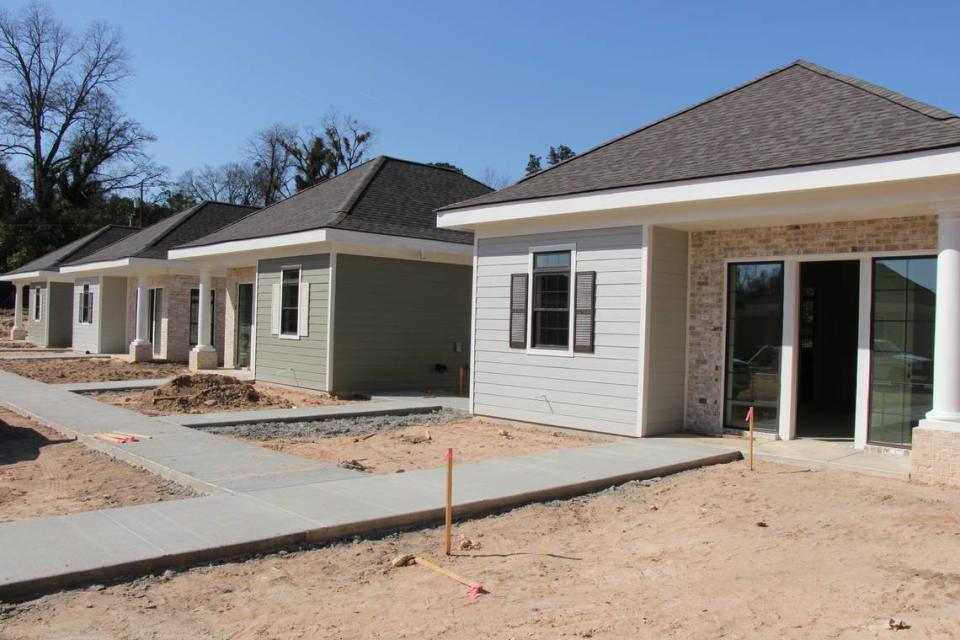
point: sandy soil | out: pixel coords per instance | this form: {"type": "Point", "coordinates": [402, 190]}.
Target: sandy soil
{"type": "Point", "coordinates": [43, 474]}
{"type": "Point", "coordinates": [422, 447]}
{"type": "Point", "coordinates": [207, 393]}
{"type": "Point", "coordinates": [837, 556]}
{"type": "Point", "coordinates": [16, 345]}
{"type": "Point", "coordinates": [57, 371]}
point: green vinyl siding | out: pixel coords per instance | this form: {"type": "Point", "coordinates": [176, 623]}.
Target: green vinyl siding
{"type": "Point", "coordinates": [302, 361]}
{"type": "Point", "coordinates": [37, 329]}
{"type": "Point", "coordinates": [113, 315]}
{"type": "Point", "coordinates": [396, 320]}
{"type": "Point", "coordinates": [60, 314]}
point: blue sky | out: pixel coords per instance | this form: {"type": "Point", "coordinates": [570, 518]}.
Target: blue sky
{"type": "Point", "coordinates": [482, 85]}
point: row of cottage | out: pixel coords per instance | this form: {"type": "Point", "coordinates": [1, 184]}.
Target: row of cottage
{"type": "Point", "coordinates": [791, 245]}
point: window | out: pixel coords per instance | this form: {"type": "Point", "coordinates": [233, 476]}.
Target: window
{"type": "Point", "coordinates": [37, 297]}
{"type": "Point", "coordinates": [754, 337]}
{"type": "Point", "coordinates": [551, 300]}
{"type": "Point", "coordinates": [289, 302]}
{"type": "Point", "coordinates": [901, 380]}
{"type": "Point", "coordinates": [86, 305]}
{"type": "Point", "coordinates": [195, 315]}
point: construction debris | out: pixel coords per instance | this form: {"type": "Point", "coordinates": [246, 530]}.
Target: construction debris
{"type": "Point", "coordinates": [403, 560]}
{"type": "Point", "coordinates": [353, 465]}
{"type": "Point", "coordinates": [468, 544]}
{"type": "Point", "coordinates": [896, 624]}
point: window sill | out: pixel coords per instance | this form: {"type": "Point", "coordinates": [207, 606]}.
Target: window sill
{"type": "Point", "coordinates": [541, 351]}
{"type": "Point", "coordinates": [288, 336]}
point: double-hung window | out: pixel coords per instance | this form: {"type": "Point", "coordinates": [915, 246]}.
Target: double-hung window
{"type": "Point", "coordinates": [86, 305]}
{"type": "Point", "coordinates": [550, 321]}
{"type": "Point", "coordinates": [290, 302]}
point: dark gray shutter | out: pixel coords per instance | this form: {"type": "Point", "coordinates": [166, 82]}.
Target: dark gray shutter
{"type": "Point", "coordinates": [518, 311]}
{"type": "Point", "coordinates": [586, 298]}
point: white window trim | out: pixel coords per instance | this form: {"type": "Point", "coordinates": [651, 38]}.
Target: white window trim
{"type": "Point", "coordinates": [540, 351]}
{"type": "Point", "coordinates": [84, 292]}
{"type": "Point", "coordinates": [280, 333]}
{"type": "Point", "coordinates": [37, 304]}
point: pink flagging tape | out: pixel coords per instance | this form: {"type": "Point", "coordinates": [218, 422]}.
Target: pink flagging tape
{"type": "Point", "coordinates": [448, 455]}
{"type": "Point", "coordinates": [475, 591]}
{"type": "Point", "coordinates": [749, 415]}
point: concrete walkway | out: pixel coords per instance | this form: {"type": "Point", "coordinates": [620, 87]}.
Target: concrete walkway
{"type": "Point", "coordinates": [811, 454]}
{"type": "Point", "coordinates": [259, 499]}
{"type": "Point", "coordinates": [112, 385]}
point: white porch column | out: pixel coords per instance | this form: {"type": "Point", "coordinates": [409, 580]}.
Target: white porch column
{"type": "Point", "coordinates": [18, 332]}
{"type": "Point", "coordinates": [936, 440]}
{"type": "Point", "coordinates": [203, 356]}
{"type": "Point", "coordinates": [946, 350]}
{"type": "Point", "coordinates": [141, 349]}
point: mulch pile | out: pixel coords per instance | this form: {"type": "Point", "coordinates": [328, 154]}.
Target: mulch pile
{"type": "Point", "coordinates": [199, 391]}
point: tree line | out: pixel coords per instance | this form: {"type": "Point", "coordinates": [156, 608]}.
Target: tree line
{"type": "Point", "coordinates": [71, 159]}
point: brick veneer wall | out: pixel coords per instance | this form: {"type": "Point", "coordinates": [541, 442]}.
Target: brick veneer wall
{"type": "Point", "coordinates": [710, 249]}
{"type": "Point", "coordinates": [234, 278]}
{"type": "Point", "coordinates": [175, 320]}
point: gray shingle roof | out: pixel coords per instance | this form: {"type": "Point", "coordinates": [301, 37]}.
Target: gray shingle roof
{"type": "Point", "coordinates": [799, 115]}
{"type": "Point", "coordinates": [384, 195]}
{"type": "Point", "coordinates": [78, 249]}
{"type": "Point", "coordinates": [155, 240]}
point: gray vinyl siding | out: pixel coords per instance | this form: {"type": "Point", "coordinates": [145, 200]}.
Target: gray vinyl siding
{"type": "Point", "coordinates": [595, 391]}
{"type": "Point", "coordinates": [667, 357]}
{"type": "Point", "coordinates": [60, 314]}
{"type": "Point", "coordinates": [396, 320]}
{"type": "Point", "coordinates": [37, 329]}
{"type": "Point", "coordinates": [299, 362]}
{"type": "Point", "coordinates": [86, 337]}
{"type": "Point", "coordinates": [113, 315]}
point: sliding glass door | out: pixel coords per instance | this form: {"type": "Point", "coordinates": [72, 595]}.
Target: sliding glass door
{"type": "Point", "coordinates": [901, 381]}
{"type": "Point", "coordinates": [754, 336]}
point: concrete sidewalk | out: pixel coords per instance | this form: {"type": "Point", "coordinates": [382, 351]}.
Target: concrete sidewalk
{"type": "Point", "coordinates": [112, 385]}
{"type": "Point", "coordinates": [261, 499]}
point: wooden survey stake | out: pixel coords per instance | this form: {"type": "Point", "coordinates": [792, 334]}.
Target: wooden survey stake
{"type": "Point", "coordinates": [750, 417]}
{"type": "Point", "coordinates": [448, 520]}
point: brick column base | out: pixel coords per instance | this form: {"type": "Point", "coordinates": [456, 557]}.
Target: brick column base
{"type": "Point", "coordinates": [935, 454]}
{"type": "Point", "coordinates": [141, 352]}
{"type": "Point", "coordinates": [205, 359]}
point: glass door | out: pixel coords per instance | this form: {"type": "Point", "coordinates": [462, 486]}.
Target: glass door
{"type": "Point", "coordinates": [901, 380]}
{"type": "Point", "coordinates": [244, 324]}
{"type": "Point", "coordinates": [754, 338]}
{"type": "Point", "coordinates": [155, 310]}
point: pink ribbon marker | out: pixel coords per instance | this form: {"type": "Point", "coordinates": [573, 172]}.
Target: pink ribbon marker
{"type": "Point", "coordinates": [749, 415]}
{"type": "Point", "coordinates": [448, 455]}
{"type": "Point", "coordinates": [475, 590]}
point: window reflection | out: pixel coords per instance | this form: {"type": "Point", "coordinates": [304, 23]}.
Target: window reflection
{"type": "Point", "coordinates": [901, 381]}
{"type": "Point", "coordinates": [754, 335]}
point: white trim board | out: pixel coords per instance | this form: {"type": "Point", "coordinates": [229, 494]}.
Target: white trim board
{"type": "Point", "coordinates": [873, 171]}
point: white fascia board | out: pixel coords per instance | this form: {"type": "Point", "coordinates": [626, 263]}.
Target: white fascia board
{"type": "Point", "coordinates": [34, 276]}
{"type": "Point", "coordinates": [912, 166]}
{"type": "Point", "coordinates": [333, 238]}
{"type": "Point", "coordinates": [131, 266]}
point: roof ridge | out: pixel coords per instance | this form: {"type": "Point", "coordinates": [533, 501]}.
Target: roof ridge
{"type": "Point", "coordinates": [882, 92]}
{"type": "Point", "coordinates": [354, 196]}
{"type": "Point", "coordinates": [430, 165]}
{"type": "Point", "coordinates": [90, 237]}
{"type": "Point", "coordinates": [187, 214]}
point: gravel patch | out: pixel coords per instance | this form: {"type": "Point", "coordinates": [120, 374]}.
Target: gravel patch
{"type": "Point", "coordinates": [334, 427]}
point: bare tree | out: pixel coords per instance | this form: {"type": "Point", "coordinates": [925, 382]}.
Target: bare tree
{"type": "Point", "coordinates": [496, 179]}
{"type": "Point", "coordinates": [232, 182]}
{"type": "Point", "coordinates": [343, 144]}
{"type": "Point", "coordinates": [56, 95]}
{"type": "Point", "coordinates": [268, 152]}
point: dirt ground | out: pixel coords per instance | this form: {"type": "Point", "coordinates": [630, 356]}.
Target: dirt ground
{"type": "Point", "coordinates": [43, 474]}
{"type": "Point", "coordinates": [713, 553]}
{"type": "Point", "coordinates": [421, 446]}
{"type": "Point", "coordinates": [55, 371]}
{"type": "Point", "coordinates": [206, 393]}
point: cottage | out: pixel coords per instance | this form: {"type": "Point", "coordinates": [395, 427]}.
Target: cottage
{"type": "Point", "coordinates": [349, 286]}
{"type": "Point", "coordinates": [107, 285]}
{"type": "Point", "coordinates": [792, 244]}
{"type": "Point", "coordinates": [50, 292]}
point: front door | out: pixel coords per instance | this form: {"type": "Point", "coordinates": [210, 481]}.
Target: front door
{"type": "Point", "coordinates": [244, 324]}
{"type": "Point", "coordinates": [827, 368]}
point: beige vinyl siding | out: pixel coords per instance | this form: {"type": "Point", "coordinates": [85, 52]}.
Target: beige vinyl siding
{"type": "Point", "coordinates": [396, 320]}
{"type": "Point", "coordinates": [86, 337]}
{"type": "Point", "coordinates": [667, 356]}
{"type": "Point", "coordinates": [300, 362]}
{"type": "Point", "coordinates": [37, 329]}
{"type": "Point", "coordinates": [60, 316]}
{"type": "Point", "coordinates": [113, 315]}
{"type": "Point", "coordinates": [595, 391]}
